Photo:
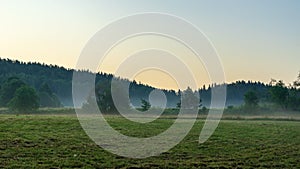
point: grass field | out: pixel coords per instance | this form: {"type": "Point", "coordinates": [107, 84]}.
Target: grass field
{"type": "Point", "coordinates": [44, 141]}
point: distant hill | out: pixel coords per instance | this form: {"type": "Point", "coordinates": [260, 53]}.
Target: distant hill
{"type": "Point", "coordinates": [59, 80]}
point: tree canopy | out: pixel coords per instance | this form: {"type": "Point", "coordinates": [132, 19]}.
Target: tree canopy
{"type": "Point", "coordinates": [25, 100]}
{"type": "Point", "coordinates": [251, 99]}
{"type": "Point", "coordinates": [8, 89]}
{"type": "Point", "coordinates": [47, 97]}
{"type": "Point", "coordinates": [145, 105]}
{"type": "Point", "coordinates": [279, 94]}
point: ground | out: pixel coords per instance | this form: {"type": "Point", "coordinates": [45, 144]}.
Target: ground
{"type": "Point", "coordinates": [58, 141]}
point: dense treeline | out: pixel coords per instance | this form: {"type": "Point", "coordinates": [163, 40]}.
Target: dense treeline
{"type": "Point", "coordinates": [36, 74]}
{"type": "Point", "coordinates": [54, 84]}
{"type": "Point", "coordinates": [278, 97]}
{"type": "Point", "coordinates": [19, 96]}
{"type": "Point", "coordinates": [236, 91]}
{"type": "Point", "coordinates": [59, 80]}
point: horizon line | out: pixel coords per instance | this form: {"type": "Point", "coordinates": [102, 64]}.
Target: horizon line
{"type": "Point", "coordinates": [134, 81]}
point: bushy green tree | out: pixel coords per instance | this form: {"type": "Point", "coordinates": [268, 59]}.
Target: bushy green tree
{"type": "Point", "coordinates": [178, 105]}
{"type": "Point", "coordinates": [190, 99]}
{"type": "Point", "coordinates": [251, 99]}
{"type": "Point", "coordinates": [251, 102]}
{"type": "Point", "coordinates": [104, 97]}
{"type": "Point", "coordinates": [145, 105]}
{"type": "Point", "coordinates": [25, 100]}
{"type": "Point", "coordinates": [279, 94]}
{"type": "Point", "coordinates": [47, 97]}
{"type": "Point", "coordinates": [294, 99]}
{"type": "Point", "coordinates": [8, 90]}
{"type": "Point", "coordinates": [204, 110]}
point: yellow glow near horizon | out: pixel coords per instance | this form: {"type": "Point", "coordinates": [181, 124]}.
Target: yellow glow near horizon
{"type": "Point", "coordinates": [161, 80]}
{"type": "Point", "coordinates": [132, 46]}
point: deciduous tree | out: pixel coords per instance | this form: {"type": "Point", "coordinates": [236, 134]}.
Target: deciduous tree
{"type": "Point", "coordinates": [251, 99]}
{"type": "Point", "coordinates": [8, 90]}
{"type": "Point", "coordinates": [24, 100]}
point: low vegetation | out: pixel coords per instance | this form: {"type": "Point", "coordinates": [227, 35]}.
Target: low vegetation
{"type": "Point", "coordinates": [43, 141]}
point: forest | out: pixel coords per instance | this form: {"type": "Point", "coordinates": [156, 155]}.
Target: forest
{"type": "Point", "coordinates": [51, 86]}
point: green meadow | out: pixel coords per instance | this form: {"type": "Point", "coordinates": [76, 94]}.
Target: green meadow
{"type": "Point", "coordinates": [58, 141]}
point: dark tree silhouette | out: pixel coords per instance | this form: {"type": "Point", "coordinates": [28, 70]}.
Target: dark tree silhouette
{"type": "Point", "coordinates": [178, 105]}
{"type": "Point", "coordinates": [24, 100]}
{"type": "Point", "coordinates": [8, 89]}
{"type": "Point", "coordinates": [190, 99]}
{"type": "Point", "coordinates": [47, 97]}
{"type": "Point", "coordinates": [251, 99]}
{"type": "Point", "coordinates": [280, 94]}
{"type": "Point", "coordinates": [145, 105]}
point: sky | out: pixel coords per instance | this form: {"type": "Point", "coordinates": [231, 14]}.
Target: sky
{"type": "Point", "coordinates": [256, 40]}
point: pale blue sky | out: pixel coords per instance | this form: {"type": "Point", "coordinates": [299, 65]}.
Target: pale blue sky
{"type": "Point", "coordinates": [256, 40]}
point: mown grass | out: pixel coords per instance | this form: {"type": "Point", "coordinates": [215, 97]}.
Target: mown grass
{"type": "Point", "coordinates": [41, 141]}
